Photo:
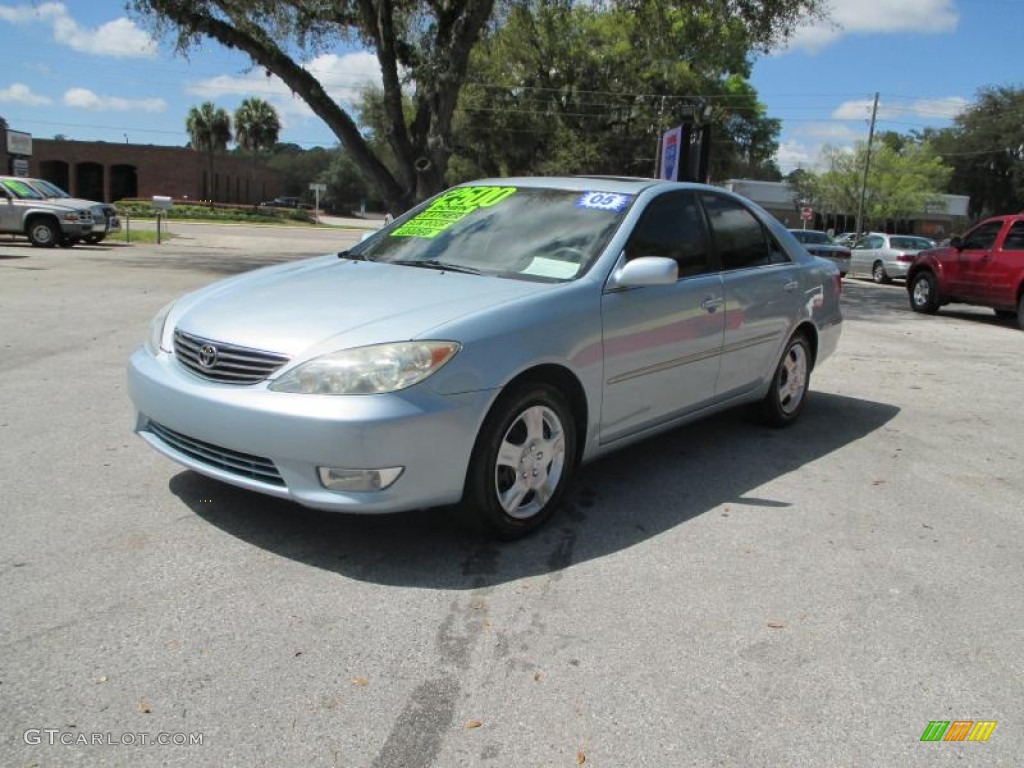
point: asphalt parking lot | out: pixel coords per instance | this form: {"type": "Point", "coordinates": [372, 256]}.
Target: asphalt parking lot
{"type": "Point", "coordinates": [724, 595]}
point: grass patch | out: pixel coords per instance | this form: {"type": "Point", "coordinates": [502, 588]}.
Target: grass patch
{"type": "Point", "coordinates": [139, 236]}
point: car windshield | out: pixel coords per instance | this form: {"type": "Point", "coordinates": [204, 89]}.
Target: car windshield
{"type": "Point", "coordinates": [526, 233]}
{"type": "Point", "coordinates": [812, 236]}
{"type": "Point", "coordinates": [20, 190]}
{"type": "Point", "coordinates": [48, 189]}
{"type": "Point", "coordinates": [910, 243]}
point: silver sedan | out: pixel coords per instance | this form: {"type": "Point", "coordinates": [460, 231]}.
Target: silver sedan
{"type": "Point", "coordinates": [479, 348]}
{"type": "Point", "coordinates": [885, 257]}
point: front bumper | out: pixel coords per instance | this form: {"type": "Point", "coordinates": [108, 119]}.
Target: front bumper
{"type": "Point", "coordinates": [187, 419]}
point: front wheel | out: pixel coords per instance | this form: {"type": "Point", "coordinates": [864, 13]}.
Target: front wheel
{"type": "Point", "coordinates": [924, 294]}
{"type": "Point", "coordinates": [788, 390]}
{"type": "Point", "coordinates": [524, 457]}
{"type": "Point", "coordinates": [43, 233]}
{"type": "Point", "coordinates": [878, 273]}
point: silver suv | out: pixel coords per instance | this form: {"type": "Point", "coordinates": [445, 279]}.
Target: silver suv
{"type": "Point", "coordinates": [24, 211]}
{"type": "Point", "coordinates": [105, 216]}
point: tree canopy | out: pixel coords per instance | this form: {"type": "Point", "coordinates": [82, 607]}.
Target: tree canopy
{"type": "Point", "coordinates": [209, 131]}
{"type": "Point", "coordinates": [900, 182]}
{"type": "Point", "coordinates": [985, 148]}
{"type": "Point", "coordinates": [424, 49]}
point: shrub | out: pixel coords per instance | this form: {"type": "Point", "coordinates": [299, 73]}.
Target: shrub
{"type": "Point", "coordinates": [190, 209]}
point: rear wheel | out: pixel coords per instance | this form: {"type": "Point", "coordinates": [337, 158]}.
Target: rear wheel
{"type": "Point", "coordinates": [786, 396]}
{"type": "Point", "coordinates": [43, 233]}
{"type": "Point", "coordinates": [924, 293]}
{"type": "Point", "coordinates": [878, 273]}
{"type": "Point", "coordinates": [524, 457]}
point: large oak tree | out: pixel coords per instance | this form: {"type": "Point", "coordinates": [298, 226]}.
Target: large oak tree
{"type": "Point", "coordinates": [424, 47]}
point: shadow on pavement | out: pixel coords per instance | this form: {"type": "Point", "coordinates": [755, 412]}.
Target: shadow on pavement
{"type": "Point", "coordinates": [686, 473]}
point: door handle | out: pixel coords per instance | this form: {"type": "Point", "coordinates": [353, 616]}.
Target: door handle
{"type": "Point", "coordinates": [712, 303]}
{"type": "Point", "coordinates": [791, 286]}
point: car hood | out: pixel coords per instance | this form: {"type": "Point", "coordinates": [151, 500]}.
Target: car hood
{"type": "Point", "coordinates": [329, 303]}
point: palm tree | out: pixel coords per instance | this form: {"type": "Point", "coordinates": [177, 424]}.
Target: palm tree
{"type": "Point", "coordinates": [209, 128]}
{"type": "Point", "coordinates": [256, 127]}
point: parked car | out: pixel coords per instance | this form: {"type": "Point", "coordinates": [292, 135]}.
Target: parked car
{"type": "Point", "coordinates": [821, 244]}
{"type": "Point", "coordinates": [885, 257]}
{"type": "Point", "coordinates": [46, 223]}
{"type": "Point", "coordinates": [984, 267]}
{"type": "Point", "coordinates": [481, 346]}
{"type": "Point", "coordinates": [104, 216]}
{"type": "Point", "coordinates": [285, 202]}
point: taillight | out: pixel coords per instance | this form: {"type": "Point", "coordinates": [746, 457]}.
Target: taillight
{"type": "Point", "coordinates": [905, 257]}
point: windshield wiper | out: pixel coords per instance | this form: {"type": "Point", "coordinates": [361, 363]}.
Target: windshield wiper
{"type": "Point", "coordinates": [346, 254]}
{"type": "Point", "coordinates": [435, 264]}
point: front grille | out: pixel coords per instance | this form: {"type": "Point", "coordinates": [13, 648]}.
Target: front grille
{"type": "Point", "coordinates": [235, 462]}
{"type": "Point", "coordinates": [226, 363]}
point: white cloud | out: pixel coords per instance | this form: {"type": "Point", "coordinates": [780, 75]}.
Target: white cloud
{"type": "Point", "coordinates": [831, 133]}
{"type": "Point", "coordinates": [21, 14]}
{"type": "Point", "coordinates": [19, 93]}
{"type": "Point", "coordinates": [120, 38]}
{"type": "Point", "coordinates": [926, 109]}
{"type": "Point", "coordinates": [876, 17]}
{"type": "Point", "coordinates": [343, 77]}
{"type": "Point", "coordinates": [83, 98]}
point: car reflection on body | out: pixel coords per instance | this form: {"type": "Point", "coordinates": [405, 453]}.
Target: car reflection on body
{"type": "Point", "coordinates": [483, 345]}
{"type": "Point", "coordinates": [820, 243]}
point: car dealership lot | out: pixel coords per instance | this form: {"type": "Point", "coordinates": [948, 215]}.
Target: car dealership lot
{"type": "Point", "coordinates": [722, 595]}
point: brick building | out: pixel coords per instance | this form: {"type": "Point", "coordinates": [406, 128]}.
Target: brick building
{"type": "Point", "coordinates": [98, 170]}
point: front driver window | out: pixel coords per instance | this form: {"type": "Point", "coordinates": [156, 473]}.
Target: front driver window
{"type": "Point", "coordinates": [982, 238]}
{"type": "Point", "coordinates": [672, 227]}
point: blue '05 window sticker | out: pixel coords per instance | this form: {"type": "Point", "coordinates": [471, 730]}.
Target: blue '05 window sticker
{"type": "Point", "coordinates": [603, 201]}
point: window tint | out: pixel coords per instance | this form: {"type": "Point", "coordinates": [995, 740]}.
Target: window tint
{"type": "Point", "coordinates": [739, 237]}
{"type": "Point", "coordinates": [982, 237]}
{"type": "Point", "coordinates": [1015, 237]}
{"type": "Point", "coordinates": [672, 227]}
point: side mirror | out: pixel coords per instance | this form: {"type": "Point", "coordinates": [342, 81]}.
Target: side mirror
{"type": "Point", "coordinates": [645, 271]}
{"type": "Point", "coordinates": [956, 242]}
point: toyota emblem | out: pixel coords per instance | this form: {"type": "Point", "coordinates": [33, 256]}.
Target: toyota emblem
{"type": "Point", "coordinates": [208, 356]}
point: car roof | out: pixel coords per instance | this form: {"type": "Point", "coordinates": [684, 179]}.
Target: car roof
{"type": "Point", "coordinates": [621, 184]}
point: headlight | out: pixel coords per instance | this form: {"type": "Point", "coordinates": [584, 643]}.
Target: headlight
{"type": "Point", "coordinates": [156, 330]}
{"type": "Point", "coordinates": [368, 370]}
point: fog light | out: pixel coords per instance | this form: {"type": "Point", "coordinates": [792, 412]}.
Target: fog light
{"type": "Point", "coordinates": [358, 480]}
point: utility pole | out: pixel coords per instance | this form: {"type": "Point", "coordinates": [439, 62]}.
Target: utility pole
{"type": "Point", "coordinates": [867, 166]}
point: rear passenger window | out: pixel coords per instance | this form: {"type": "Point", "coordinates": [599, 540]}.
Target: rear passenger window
{"type": "Point", "coordinates": [1015, 237]}
{"type": "Point", "coordinates": [672, 226]}
{"type": "Point", "coordinates": [740, 239]}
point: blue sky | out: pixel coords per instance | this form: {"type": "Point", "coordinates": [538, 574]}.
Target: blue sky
{"type": "Point", "coordinates": [84, 69]}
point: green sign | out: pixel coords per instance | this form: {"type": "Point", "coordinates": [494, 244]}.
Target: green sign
{"type": "Point", "coordinates": [451, 207]}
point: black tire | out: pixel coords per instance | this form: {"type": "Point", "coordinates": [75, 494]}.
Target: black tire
{"type": "Point", "coordinates": [1006, 314]}
{"type": "Point", "coordinates": [1020, 312]}
{"type": "Point", "coordinates": [547, 459]}
{"type": "Point", "coordinates": [924, 293]}
{"type": "Point", "coordinates": [878, 273]}
{"type": "Point", "coordinates": [43, 232]}
{"type": "Point", "coordinates": [94, 239]}
{"type": "Point", "coordinates": [788, 391]}
{"type": "Point", "coordinates": [67, 242]}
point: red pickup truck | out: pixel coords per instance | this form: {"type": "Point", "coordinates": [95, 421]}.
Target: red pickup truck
{"type": "Point", "coordinates": [985, 267]}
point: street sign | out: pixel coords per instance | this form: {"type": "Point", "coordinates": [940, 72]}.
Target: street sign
{"type": "Point", "coordinates": [317, 187]}
{"type": "Point", "coordinates": [806, 213]}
